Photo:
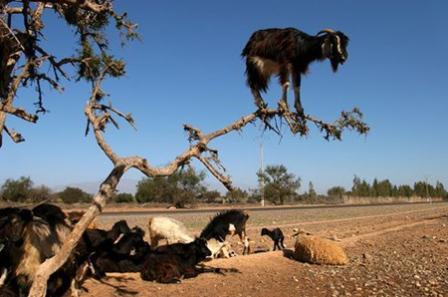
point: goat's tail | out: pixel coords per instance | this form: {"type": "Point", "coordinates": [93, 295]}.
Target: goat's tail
{"type": "Point", "coordinates": [255, 78]}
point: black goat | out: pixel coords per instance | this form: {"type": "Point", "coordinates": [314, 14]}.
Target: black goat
{"type": "Point", "coordinates": [126, 254]}
{"type": "Point", "coordinates": [171, 263]}
{"type": "Point", "coordinates": [28, 237]}
{"type": "Point", "coordinates": [73, 272]}
{"type": "Point", "coordinates": [228, 222]}
{"type": "Point", "coordinates": [289, 51]}
{"type": "Point", "coordinates": [276, 235]}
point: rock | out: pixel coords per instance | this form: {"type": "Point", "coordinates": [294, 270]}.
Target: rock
{"type": "Point", "coordinates": [367, 257]}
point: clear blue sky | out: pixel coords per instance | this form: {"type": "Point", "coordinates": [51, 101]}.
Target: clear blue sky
{"type": "Point", "coordinates": [188, 69]}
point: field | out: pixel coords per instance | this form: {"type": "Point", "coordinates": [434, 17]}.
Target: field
{"type": "Point", "coordinates": [394, 250]}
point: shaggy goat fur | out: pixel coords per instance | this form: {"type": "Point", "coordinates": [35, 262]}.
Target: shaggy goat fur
{"type": "Point", "coordinates": [289, 51]}
{"type": "Point", "coordinates": [313, 249]}
{"type": "Point", "coordinates": [32, 237]}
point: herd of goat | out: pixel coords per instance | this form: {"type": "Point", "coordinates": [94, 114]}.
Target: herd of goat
{"type": "Point", "coordinates": [29, 236]}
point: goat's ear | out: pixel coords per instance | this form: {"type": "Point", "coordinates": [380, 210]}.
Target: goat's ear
{"type": "Point", "coordinates": [327, 47]}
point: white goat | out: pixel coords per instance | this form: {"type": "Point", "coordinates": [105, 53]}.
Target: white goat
{"type": "Point", "coordinates": [220, 249]}
{"type": "Point", "coordinates": [169, 229]}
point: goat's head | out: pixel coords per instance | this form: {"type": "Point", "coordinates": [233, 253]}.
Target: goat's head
{"type": "Point", "coordinates": [13, 222]}
{"type": "Point", "coordinates": [264, 231]}
{"type": "Point", "coordinates": [202, 251]}
{"type": "Point", "coordinates": [334, 47]}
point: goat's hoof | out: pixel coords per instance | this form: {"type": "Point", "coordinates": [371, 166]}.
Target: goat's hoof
{"type": "Point", "coordinates": [261, 105]}
{"type": "Point", "coordinates": [283, 106]}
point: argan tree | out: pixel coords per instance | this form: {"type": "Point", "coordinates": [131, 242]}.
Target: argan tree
{"type": "Point", "coordinates": [23, 59]}
{"type": "Point", "coordinates": [280, 185]}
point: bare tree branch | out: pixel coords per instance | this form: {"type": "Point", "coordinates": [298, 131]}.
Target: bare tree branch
{"type": "Point", "coordinates": [15, 136]}
{"type": "Point", "coordinates": [18, 112]}
{"type": "Point", "coordinates": [107, 188]}
{"type": "Point", "coordinates": [85, 4]}
{"type": "Point", "coordinates": [225, 180]}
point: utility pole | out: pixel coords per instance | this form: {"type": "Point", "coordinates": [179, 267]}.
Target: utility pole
{"type": "Point", "coordinates": [428, 197]}
{"type": "Point", "coordinates": [262, 174]}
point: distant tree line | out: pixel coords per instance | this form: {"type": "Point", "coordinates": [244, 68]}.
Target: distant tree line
{"type": "Point", "coordinates": [186, 188]}
{"type": "Point", "coordinates": [23, 190]}
{"type": "Point", "coordinates": [384, 188]}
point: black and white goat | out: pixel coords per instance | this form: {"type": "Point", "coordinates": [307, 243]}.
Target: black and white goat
{"type": "Point", "coordinates": [229, 222]}
{"type": "Point", "coordinates": [276, 235]}
{"type": "Point", "coordinates": [289, 52]}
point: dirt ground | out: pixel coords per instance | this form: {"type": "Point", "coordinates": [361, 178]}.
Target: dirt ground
{"type": "Point", "coordinates": [392, 253]}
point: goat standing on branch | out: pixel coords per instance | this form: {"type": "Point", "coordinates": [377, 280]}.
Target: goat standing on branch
{"type": "Point", "coordinates": [288, 52]}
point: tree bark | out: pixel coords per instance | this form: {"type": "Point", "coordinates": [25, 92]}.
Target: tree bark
{"type": "Point", "coordinates": [46, 269]}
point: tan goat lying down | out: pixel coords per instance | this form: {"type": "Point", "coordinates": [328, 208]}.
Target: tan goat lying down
{"type": "Point", "coordinates": [317, 250]}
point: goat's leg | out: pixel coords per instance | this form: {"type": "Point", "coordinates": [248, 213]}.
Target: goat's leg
{"type": "Point", "coordinates": [296, 80]}
{"type": "Point", "coordinates": [282, 245]}
{"type": "Point", "coordinates": [245, 242]}
{"type": "Point", "coordinates": [284, 82]}
{"type": "Point", "coordinates": [259, 102]}
{"type": "Point", "coordinates": [300, 121]}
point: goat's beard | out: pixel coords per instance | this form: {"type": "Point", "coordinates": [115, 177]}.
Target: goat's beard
{"type": "Point", "coordinates": [334, 64]}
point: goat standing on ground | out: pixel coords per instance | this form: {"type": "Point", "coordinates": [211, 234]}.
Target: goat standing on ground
{"type": "Point", "coordinates": [173, 231]}
{"type": "Point", "coordinates": [276, 235]}
{"type": "Point", "coordinates": [289, 51]}
{"type": "Point", "coordinates": [228, 222]}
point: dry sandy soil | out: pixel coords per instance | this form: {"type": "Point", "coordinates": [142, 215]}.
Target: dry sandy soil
{"type": "Point", "coordinates": [393, 251]}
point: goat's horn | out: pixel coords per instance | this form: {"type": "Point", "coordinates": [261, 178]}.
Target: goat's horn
{"type": "Point", "coordinates": [328, 30]}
